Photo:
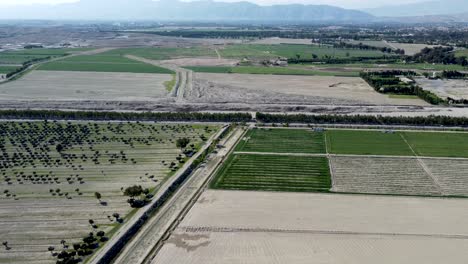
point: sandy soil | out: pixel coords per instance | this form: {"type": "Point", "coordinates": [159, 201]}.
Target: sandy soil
{"type": "Point", "coordinates": [264, 227]}
{"type": "Point", "coordinates": [251, 88]}
{"type": "Point", "coordinates": [280, 248]}
{"type": "Point", "coordinates": [201, 62]}
{"type": "Point", "coordinates": [56, 85]}
{"type": "Point", "coordinates": [455, 89]}
{"type": "Point", "coordinates": [344, 213]}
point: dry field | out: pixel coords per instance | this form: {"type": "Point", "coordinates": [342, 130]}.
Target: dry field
{"type": "Point", "coordinates": [97, 86]}
{"type": "Point", "coordinates": [263, 227]}
{"type": "Point", "coordinates": [452, 175]}
{"type": "Point", "coordinates": [410, 49]}
{"type": "Point", "coordinates": [53, 199]}
{"type": "Point", "coordinates": [251, 88]}
{"type": "Point", "coordinates": [455, 89]}
{"type": "Point", "coordinates": [404, 176]}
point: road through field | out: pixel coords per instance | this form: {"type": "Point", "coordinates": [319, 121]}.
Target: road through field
{"type": "Point", "coordinates": [184, 81]}
{"type": "Point", "coordinates": [145, 245]}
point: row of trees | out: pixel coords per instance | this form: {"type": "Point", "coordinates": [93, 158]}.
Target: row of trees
{"type": "Point", "coordinates": [361, 46]}
{"type": "Point", "coordinates": [390, 82]}
{"type": "Point", "coordinates": [143, 116]}
{"type": "Point", "coordinates": [443, 55]}
{"type": "Point", "coordinates": [364, 120]}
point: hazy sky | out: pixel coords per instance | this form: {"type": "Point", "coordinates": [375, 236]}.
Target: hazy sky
{"type": "Point", "coordinates": [343, 3]}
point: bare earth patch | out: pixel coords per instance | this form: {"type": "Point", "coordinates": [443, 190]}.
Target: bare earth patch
{"type": "Point", "coordinates": [251, 88]}
{"type": "Point", "coordinates": [96, 86]}
{"type": "Point", "coordinates": [455, 89]}
{"type": "Point", "coordinates": [263, 227]}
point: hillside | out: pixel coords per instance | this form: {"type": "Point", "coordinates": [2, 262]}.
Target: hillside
{"type": "Point", "coordinates": [204, 10]}
{"type": "Point", "coordinates": [428, 8]}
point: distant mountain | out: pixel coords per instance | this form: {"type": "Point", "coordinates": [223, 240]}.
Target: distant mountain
{"type": "Point", "coordinates": [428, 8]}
{"type": "Point", "coordinates": [429, 19]}
{"type": "Point", "coordinates": [203, 10]}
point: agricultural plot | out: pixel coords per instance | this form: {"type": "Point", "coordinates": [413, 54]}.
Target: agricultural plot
{"type": "Point", "coordinates": [264, 227]}
{"type": "Point", "coordinates": [102, 63]}
{"type": "Point", "coordinates": [165, 53]}
{"type": "Point", "coordinates": [288, 89]}
{"type": "Point", "coordinates": [438, 144]}
{"type": "Point", "coordinates": [22, 56]}
{"type": "Point", "coordinates": [283, 141]}
{"type": "Point", "coordinates": [94, 86]}
{"type": "Point", "coordinates": [7, 69]}
{"type": "Point", "coordinates": [396, 176]}
{"type": "Point", "coordinates": [51, 173]}
{"type": "Point", "coordinates": [274, 173]}
{"type": "Point", "coordinates": [292, 51]}
{"type": "Point", "coordinates": [451, 175]}
{"type": "Point", "coordinates": [445, 89]}
{"type": "Point", "coordinates": [272, 70]}
{"type": "Point", "coordinates": [367, 143]}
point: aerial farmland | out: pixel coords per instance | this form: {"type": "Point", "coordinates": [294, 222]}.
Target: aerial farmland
{"type": "Point", "coordinates": [144, 142]}
{"type": "Point", "coordinates": [71, 177]}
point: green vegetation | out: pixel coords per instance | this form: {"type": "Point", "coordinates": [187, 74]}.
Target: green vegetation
{"type": "Point", "coordinates": [271, 70]}
{"type": "Point", "coordinates": [462, 53]}
{"type": "Point", "coordinates": [102, 63]}
{"type": "Point", "coordinates": [438, 144]}
{"type": "Point", "coordinates": [163, 53]}
{"type": "Point", "coordinates": [402, 96]}
{"type": "Point", "coordinates": [358, 142]}
{"type": "Point", "coordinates": [283, 141]}
{"type": "Point", "coordinates": [293, 51]}
{"type": "Point", "coordinates": [274, 173]}
{"type": "Point", "coordinates": [8, 69]}
{"type": "Point", "coordinates": [170, 84]}
{"type": "Point", "coordinates": [398, 65]}
{"type": "Point", "coordinates": [22, 56]}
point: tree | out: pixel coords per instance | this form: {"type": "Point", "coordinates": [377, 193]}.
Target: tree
{"type": "Point", "coordinates": [182, 142]}
{"type": "Point", "coordinates": [133, 191]}
{"type": "Point", "coordinates": [98, 196]}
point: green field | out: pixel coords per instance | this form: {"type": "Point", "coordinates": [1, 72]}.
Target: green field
{"type": "Point", "coordinates": [270, 70]}
{"type": "Point", "coordinates": [282, 141]}
{"type": "Point", "coordinates": [403, 96]}
{"type": "Point", "coordinates": [366, 143]}
{"type": "Point", "coordinates": [290, 51]}
{"type": "Point", "coordinates": [461, 53]}
{"type": "Point", "coordinates": [102, 63]}
{"type": "Point", "coordinates": [21, 56]}
{"type": "Point", "coordinates": [378, 143]}
{"type": "Point", "coordinates": [405, 66]}
{"type": "Point", "coordinates": [274, 173]}
{"type": "Point", "coordinates": [7, 69]}
{"type": "Point", "coordinates": [164, 53]}
{"type": "Point", "coordinates": [438, 144]}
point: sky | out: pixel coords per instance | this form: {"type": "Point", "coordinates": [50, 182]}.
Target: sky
{"type": "Point", "coordinates": [352, 4]}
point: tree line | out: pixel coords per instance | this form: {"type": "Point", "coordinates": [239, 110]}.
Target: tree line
{"type": "Point", "coordinates": [390, 82]}
{"type": "Point", "coordinates": [127, 116]}
{"type": "Point", "coordinates": [364, 120]}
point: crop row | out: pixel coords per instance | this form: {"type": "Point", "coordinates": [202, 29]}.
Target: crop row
{"type": "Point", "coordinates": [274, 173]}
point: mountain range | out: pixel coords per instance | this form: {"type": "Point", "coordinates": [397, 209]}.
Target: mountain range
{"type": "Point", "coordinates": [208, 10]}
{"type": "Point", "coordinates": [427, 8]}
{"type": "Point", "coordinates": [201, 10]}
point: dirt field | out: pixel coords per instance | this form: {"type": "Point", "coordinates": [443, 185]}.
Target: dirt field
{"type": "Point", "coordinates": [262, 227]}
{"type": "Point", "coordinates": [455, 89]}
{"type": "Point", "coordinates": [250, 88]}
{"type": "Point", "coordinates": [57, 86]}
